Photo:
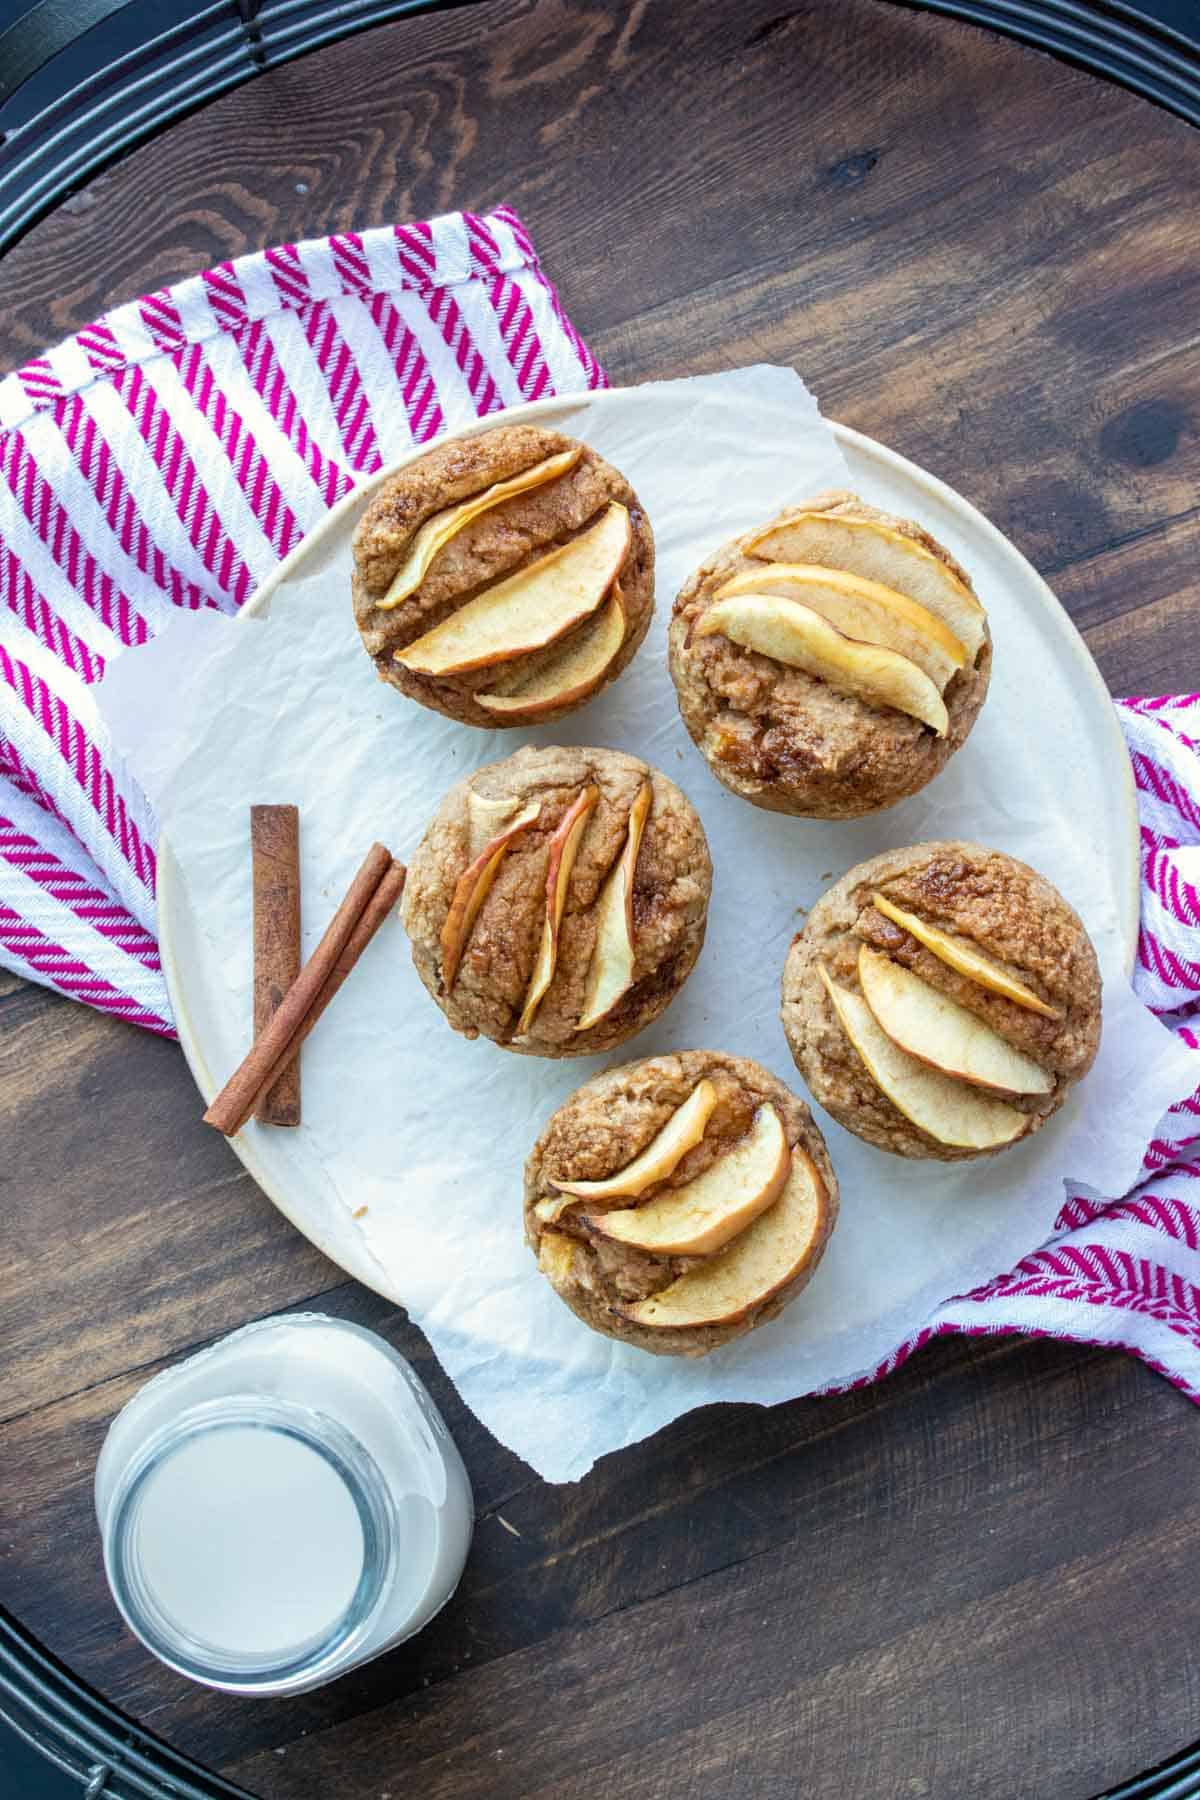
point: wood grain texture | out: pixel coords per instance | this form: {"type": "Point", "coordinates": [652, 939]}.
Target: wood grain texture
{"type": "Point", "coordinates": [976, 1578]}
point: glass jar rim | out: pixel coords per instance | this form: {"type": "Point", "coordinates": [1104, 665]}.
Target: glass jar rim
{"type": "Point", "coordinates": [315, 1659]}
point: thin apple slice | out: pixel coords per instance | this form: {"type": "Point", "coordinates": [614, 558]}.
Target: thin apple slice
{"type": "Point", "coordinates": [528, 610]}
{"type": "Point", "coordinates": [472, 889]}
{"type": "Point", "coordinates": [769, 1255]}
{"type": "Point", "coordinates": [861, 609]}
{"type": "Point", "coordinates": [571, 674]}
{"type": "Point", "coordinates": [564, 847]}
{"type": "Point", "coordinates": [948, 1111]}
{"type": "Point", "coordinates": [486, 819]}
{"type": "Point", "coordinates": [796, 635]}
{"type": "Point", "coordinates": [703, 1215]}
{"type": "Point", "coordinates": [940, 1032]}
{"type": "Point", "coordinates": [610, 972]}
{"type": "Point", "coordinates": [965, 958]}
{"type": "Point", "coordinates": [661, 1157]}
{"type": "Point", "coordinates": [437, 531]}
{"type": "Point", "coordinates": [878, 552]}
{"type": "Point", "coordinates": [556, 1254]}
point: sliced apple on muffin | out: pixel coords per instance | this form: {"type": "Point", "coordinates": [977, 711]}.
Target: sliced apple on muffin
{"type": "Point", "coordinates": [702, 1215]}
{"type": "Point", "coordinates": [877, 552]}
{"type": "Point", "coordinates": [861, 609]}
{"type": "Point", "coordinates": [949, 1111]}
{"type": "Point", "coordinates": [569, 675]}
{"type": "Point", "coordinates": [438, 531]}
{"type": "Point", "coordinates": [530, 609]}
{"type": "Point", "coordinates": [661, 1157]}
{"type": "Point", "coordinates": [792, 633]}
{"type": "Point", "coordinates": [966, 959]}
{"type": "Point", "coordinates": [764, 1259]}
{"type": "Point", "coordinates": [473, 886]}
{"type": "Point", "coordinates": [564, 847]}
{"type": "Point", "coordinates": [614, 958]}
{"type": "Point", "coordinates": [940, 1032]}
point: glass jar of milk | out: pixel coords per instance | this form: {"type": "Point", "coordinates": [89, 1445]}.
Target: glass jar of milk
{"type": "Point", "coordinates": [281, 1507]}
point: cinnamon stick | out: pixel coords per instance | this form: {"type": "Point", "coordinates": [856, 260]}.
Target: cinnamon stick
{"type": "Point", "coordinates": [275, 861]}
{"type": "Point", "coordinates": [371, 896]}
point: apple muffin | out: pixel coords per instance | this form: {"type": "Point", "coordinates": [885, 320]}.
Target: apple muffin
{"type": "Point", "coordinates": [942, 1001]}
{"type": "Point", "coordinates": [830, 662]}
{"type": "Point", "coordinates": [678, 1202]}
{"type": "Point", "coordinates": [504, 579]}
{"type": "Point", "coordinates": [558, 901]}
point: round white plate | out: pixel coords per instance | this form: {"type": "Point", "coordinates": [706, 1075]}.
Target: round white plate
{"type": "Point", "coordinates": [1083, 738]}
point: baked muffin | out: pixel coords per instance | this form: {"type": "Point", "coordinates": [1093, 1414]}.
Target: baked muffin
{"type": "Point", "coordinates": [558, 901]}
{"type": "Point", "coordinates": [679, 1202]}
{"type": "Point", "coordinates": [830, 662]}
{"type": "Point", "coordinates": [942, 1001]}
{"type": "Point", "coordinates": [504, 579]}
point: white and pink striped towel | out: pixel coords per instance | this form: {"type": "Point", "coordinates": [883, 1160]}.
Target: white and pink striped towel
{"type": "Point", "coordinates": [170, 454]}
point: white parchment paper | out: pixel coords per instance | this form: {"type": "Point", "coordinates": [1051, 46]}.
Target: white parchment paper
{"type": "Point", "coordinates": [429, 1133]}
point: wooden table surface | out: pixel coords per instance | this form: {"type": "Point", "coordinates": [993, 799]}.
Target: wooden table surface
{"type": "Point", "coordinates": [978, 1578]}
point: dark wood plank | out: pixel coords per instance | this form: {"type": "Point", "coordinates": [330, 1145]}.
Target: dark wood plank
{"type": "Point", "coordinates": [129, 1230]}
{"type": "Point", "coordinates": [792, 1581]}
{"type": "Point", "coordinates": [993, 263]}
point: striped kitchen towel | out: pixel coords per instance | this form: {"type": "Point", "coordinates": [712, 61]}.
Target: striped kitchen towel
{"type": "Point", "coordinates": [170, 454]}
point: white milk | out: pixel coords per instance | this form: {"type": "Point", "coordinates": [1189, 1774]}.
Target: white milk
{"type": "Point", "coordinates": [281, 1507]}
{"type": "Point", "coordinates": [250, 1542]}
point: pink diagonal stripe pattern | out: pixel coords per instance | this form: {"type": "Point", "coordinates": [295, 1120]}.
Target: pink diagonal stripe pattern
{"type": "Point", "coordinates": [418, 390]}
{"type": "Point", "coordinates": [446, 314]}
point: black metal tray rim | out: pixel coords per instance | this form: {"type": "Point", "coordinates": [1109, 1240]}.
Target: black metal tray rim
{"type": "Point", "coordinates": [106, 1753]}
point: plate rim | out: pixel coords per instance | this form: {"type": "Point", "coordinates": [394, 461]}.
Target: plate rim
{"type": "Point", "coordinates": [367, 1270]}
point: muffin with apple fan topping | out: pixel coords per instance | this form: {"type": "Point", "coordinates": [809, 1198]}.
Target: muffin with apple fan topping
{"type": "Point", "coordinates": [942, 1001]}
{"type": "Point", "coordinates": [558, 901]}
{"type": "Point", "coordinates": [505, 578]}
{"type": "Point", "coordinates": [679, 1202]}
{"type": "Point", "coordinates": [829, 663]}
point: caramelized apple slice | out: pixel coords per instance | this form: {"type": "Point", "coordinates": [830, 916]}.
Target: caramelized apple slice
{"type": "Point", "coordinates": [937, 1031]}
{"type": "Point", "coordinates": [948, 1111]}
{"type": "Point", "coordinates": [564, 847]}
{"type": "Point", "coordinates": [556, 1253]}
{"type": "Point", "coordinates": [701, 1216]}
{"type": "Point", "coordinates": [662, 1155]}
{"type": "Point", "coordinates": [528, 610]}
{"type": "Point", "coordinates": [795, 634]}
{"type": "Point", "coordinates": [965, 958]}
{"type": "Point", "coordinates": [880, 553]}
{"type": "Point", "coordinates": [437, 531]}
{"type": "Point", "coordinates": [472, 889]}
{"type": "Point", "coordinates": [771, 1254]}
{"type": "Point", "coordinates": [570, 675]}
{"type": "Point", "coordinates": [861, 609]}
{"type": "Point", "coordinates": [610, 972]}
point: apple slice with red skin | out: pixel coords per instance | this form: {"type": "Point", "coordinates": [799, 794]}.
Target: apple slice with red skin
{"type": "Point", "coordinates": [472, 889]}
{"type": "Point", "coordinates": [940, 1032]}
{"type": "Point", "coordinates": [610, 972]}
{"type": "Point", "coordinates": [564, 847]}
